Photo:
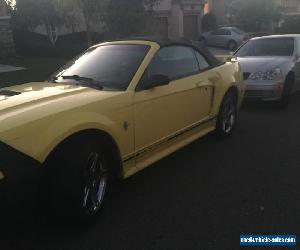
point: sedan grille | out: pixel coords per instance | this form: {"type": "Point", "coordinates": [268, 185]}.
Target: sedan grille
{"type": "Point", "coordinates": [259, 93]}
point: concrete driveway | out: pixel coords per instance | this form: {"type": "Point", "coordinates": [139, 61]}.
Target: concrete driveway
{"type": "Point", "coordinates": [201, 197]}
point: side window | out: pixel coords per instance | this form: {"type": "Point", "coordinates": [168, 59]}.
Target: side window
{"type": "Point", "coordinates": [174, 62]}
{"type": "Point", "coordinates": [203, 64]}
{"type": "Point", "coordinates": [227, 32]}
{"type": "Point", "coordinates": [215, 32]}
{"type": "Point", "coordinates": [220, 32]}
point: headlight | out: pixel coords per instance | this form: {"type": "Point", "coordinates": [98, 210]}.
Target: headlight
{"type": "Point", "coordinates": [269, 75]}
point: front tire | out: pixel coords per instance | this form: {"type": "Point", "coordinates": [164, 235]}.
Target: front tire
{"type": "Point", "coordinates": [227, 115]}
{"type": "Point", "coordinates": [287, 92]}
{"type": "Point", "coordinates": [78, 179]}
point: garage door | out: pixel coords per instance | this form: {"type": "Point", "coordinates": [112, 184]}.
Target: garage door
{"type": "Point", "coordinates": [159, 26]}
{"type": "Point", "coordinates": [190, 27]}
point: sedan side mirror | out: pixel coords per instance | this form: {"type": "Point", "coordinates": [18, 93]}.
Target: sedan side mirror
{"type": "Point", "coordinates": [156, 81]}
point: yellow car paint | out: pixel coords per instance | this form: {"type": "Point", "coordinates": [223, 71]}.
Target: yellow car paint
{"type": "Point", "coordinates": [160, 120]}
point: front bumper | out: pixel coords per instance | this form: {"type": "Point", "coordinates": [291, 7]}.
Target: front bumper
{"type": "Point", "coordinates": [264, 90]}
{"type": "Point", "coordinates": [20, 177]}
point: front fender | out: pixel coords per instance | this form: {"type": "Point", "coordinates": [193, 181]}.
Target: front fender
{"type": "Point", "coordinates": [43, 136]}
{"type": "Point", "coordinates": [229, 75]}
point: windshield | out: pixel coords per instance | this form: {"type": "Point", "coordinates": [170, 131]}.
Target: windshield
{"type": "Point", "coordinates": [267, 47]}
{"type": "Point", "coordinates": [109, 66]}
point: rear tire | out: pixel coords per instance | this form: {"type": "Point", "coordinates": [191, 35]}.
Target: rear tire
{"type": "Point", "coordinates": [78, 179]}
{"type": "Point", "coordinates": [227, 115]}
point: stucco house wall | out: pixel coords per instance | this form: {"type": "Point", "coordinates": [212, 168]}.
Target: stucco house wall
{"type": "Point", "coordinates": [171, 18]}
{"type": "Point", "coordinates": [178, 18]}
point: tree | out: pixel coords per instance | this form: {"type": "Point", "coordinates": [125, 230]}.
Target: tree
{"type": "Point", "coordinates": [126, 18]}
{"type": "Point", "coordinates": [29, 14]}
{"type": "Point", "coordinates": [92, 12]}
{"type": "Point", "coordinates": [68, 12]}
{"type": "Point", "coordinates": [9, 4]}
{"type": "Point", "coordinates": [254, 15]}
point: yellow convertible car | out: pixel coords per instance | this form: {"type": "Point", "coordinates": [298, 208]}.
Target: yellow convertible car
{"type": "Point", "coordinates": [112, 111]}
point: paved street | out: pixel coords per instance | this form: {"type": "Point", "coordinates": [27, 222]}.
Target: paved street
{"type": "Point", "coordinates": [202, 197]}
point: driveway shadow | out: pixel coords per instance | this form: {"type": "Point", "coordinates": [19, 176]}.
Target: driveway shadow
{"type": "Point", "coordinates": [270, 106]}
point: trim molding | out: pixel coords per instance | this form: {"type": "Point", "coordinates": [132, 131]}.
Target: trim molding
{"type": "Point", "coordinates": [167, 139]}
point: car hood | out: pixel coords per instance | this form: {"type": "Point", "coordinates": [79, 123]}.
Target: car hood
{"type": "Point", "coordinates": [27, 107]}
{"type": "Point", "coordinates": [37, 93]}
{"type": "Point", "coordinates": [254, 64]}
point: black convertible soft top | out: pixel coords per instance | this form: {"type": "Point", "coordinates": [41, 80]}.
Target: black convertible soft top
{"type": "Point", "coordinates": [164, 42]}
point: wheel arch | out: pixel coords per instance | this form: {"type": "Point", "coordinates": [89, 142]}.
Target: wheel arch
{"type": "Point", "coordinates": [234, 90]}
{"type": "Point", "coordinates": [290, 75]}
{"type": "Point", "coordinates": [231, 89]}
{"type": "Point", "coordinates": [112, 149]}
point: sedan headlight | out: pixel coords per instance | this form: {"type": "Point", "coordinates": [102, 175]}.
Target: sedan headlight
{"type": "Point", "coordinates": [269, 75]}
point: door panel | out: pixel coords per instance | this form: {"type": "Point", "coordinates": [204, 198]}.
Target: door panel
{"type": "Point", "coordinates": [220, 37]}
{"type": "Point", "coordinates": [164, 111]}
{"type": "Point", "coordinates": [224, 38]}
{"type": "Point", "coordinates": [212, 39]}
{"type": "Point", "coordinates": [161, 112]}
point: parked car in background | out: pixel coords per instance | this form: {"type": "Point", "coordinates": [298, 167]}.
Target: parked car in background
{"type": "Point", "coordinates": [227, 37]}
{"type": "Point", "coordinates": [110, 112]}
{"type": "Point", "coordinates": [271, 67]}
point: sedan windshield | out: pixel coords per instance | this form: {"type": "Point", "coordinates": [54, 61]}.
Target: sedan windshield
{"type": "Point", "coordinates": [267, 47]}
{"type": "Point", "coordinates": [109, 66]}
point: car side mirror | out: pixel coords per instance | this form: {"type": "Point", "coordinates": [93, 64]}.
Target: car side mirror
{"type": "Point", "coordinates": [156, 81]}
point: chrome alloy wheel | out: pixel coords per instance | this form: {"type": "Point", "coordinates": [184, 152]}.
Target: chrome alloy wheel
{"type": "Point", "coordinates": [228, 117]}
{"type": "Point", "coordinates": [95, 182]}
